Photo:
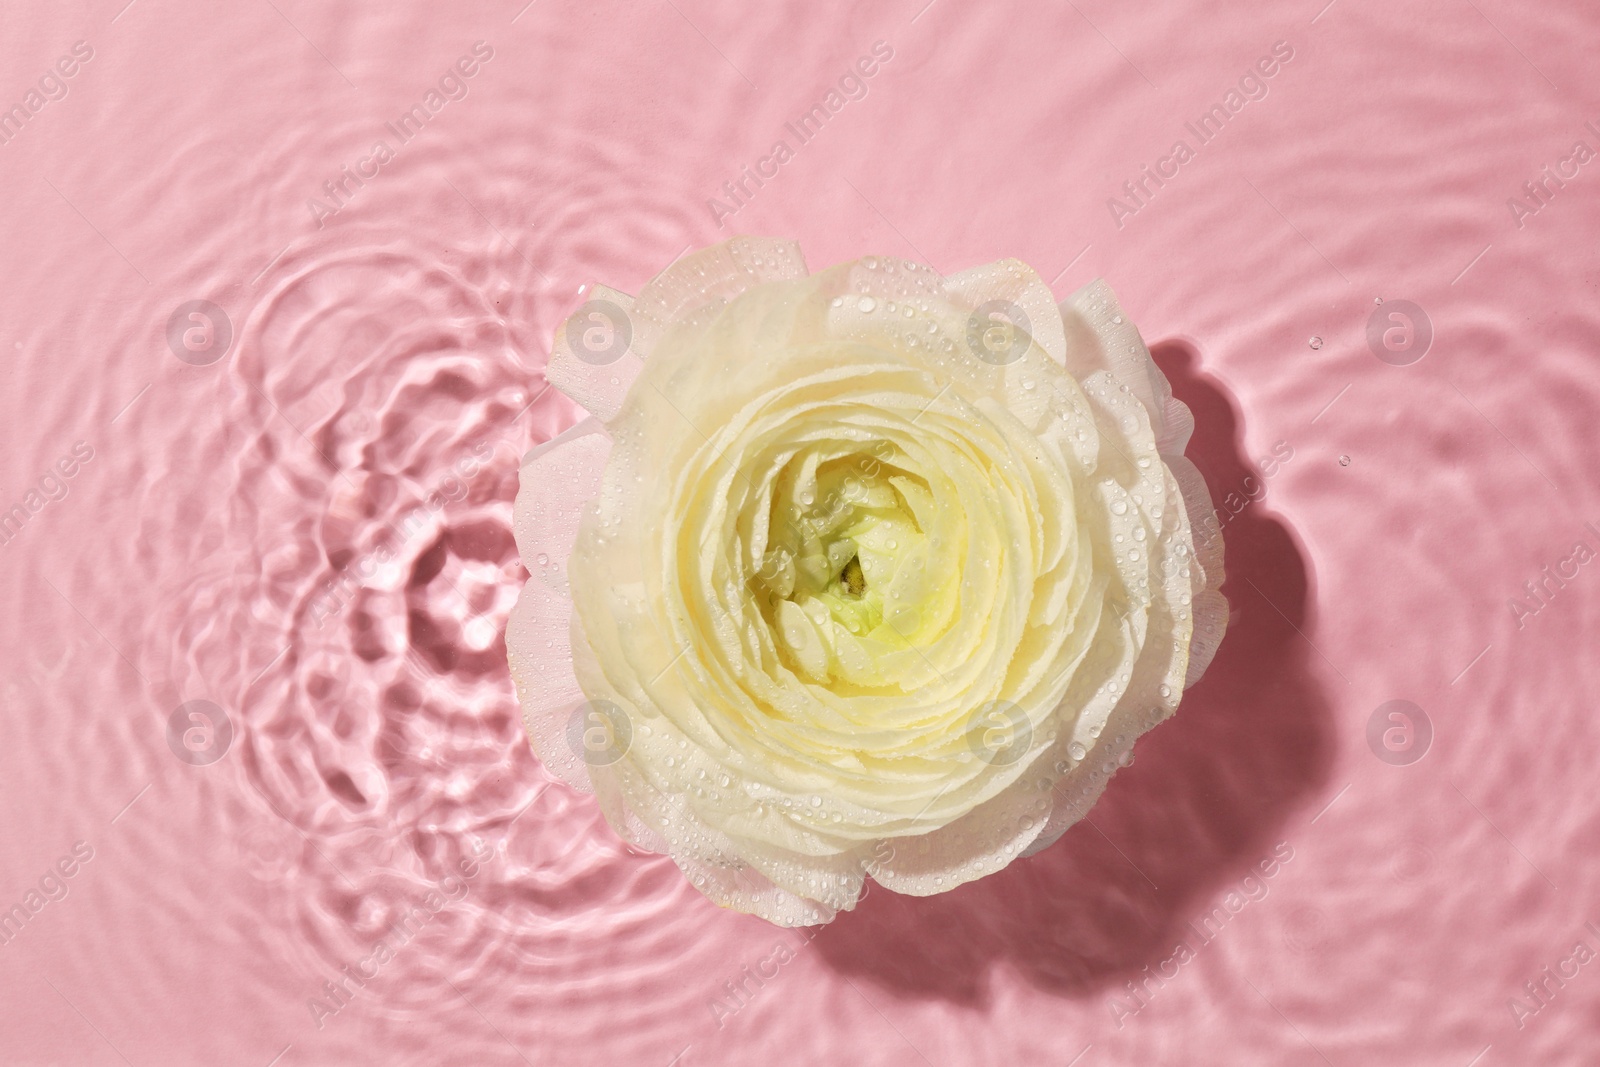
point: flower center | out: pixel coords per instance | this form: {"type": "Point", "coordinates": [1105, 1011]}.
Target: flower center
{"type": "Point", "coordinates": [846, 575]}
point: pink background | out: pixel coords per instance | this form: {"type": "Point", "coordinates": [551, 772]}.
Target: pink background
{"type": "Point", "coordinates": [225, 541]}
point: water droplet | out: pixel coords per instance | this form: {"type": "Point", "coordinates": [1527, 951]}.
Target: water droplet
{"type": "Point", "coordinates": [1316, 342]}
{"type": "Point", "coordinates": [1077, 751]}
{"type": "Point", "coordinates": [866, 305]}
{"type": "Point", "coordinates": [544, 560]}
{"type": "Point", "coordinates": [1344, 461]}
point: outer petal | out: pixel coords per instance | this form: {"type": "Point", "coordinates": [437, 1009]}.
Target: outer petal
{"type": "Point", "coordinates": [1014, 282]}
{"type": "Point", "coordinates": [557, 478]}
{"type": "Point", "coordinates": [1100, 337]}
{"type": "Point", "coordinates": [597, 353]}
{"type": "Point", "coordinates": [693, 289]}
{"type": "Point", "coordinates": [1101, 340]}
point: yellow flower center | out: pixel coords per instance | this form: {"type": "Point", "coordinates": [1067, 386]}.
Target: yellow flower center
{"type": "Point", "coordinates": [848, 575]}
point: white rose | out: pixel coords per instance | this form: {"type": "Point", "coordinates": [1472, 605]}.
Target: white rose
{"type": "Point", "coordinates": [866, 572]}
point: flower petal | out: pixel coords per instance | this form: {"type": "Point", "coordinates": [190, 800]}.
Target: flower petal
{"type": "Point", "coordinates": [1100, 337]}
{"type": "Point", "coordinates": [699, 284]}
{"type": "Point", "coordinates": [539, 649]}
{"type": "Point", "coordinates": [1014, 282]}
{"type": "Point", "coordinates": [556, 480]}
{"type": "Point", "coordinates": [596, 354]}
{"type": "Point", "coordinates": [557, 477]}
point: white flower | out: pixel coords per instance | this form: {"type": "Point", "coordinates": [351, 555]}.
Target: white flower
{"type": "Point", "coordinates": [867, 572]}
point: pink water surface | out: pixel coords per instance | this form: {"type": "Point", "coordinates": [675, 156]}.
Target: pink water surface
{"type": "Point", "coordinates": [310, 527]}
